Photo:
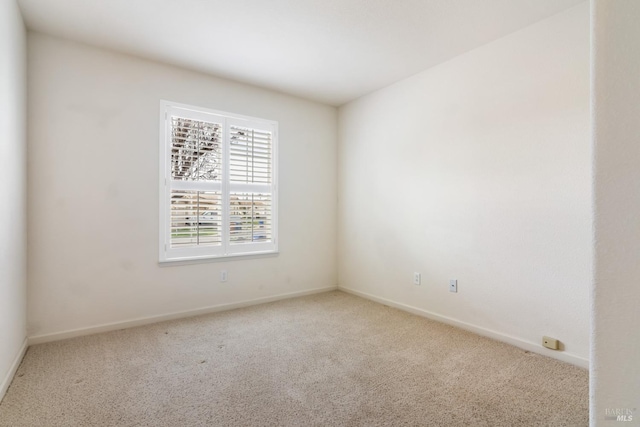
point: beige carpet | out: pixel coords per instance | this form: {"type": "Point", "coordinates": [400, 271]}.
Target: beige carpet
{"type": "Point", "coordinates": [323, 360]}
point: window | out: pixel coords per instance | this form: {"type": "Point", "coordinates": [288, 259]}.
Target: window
{"type": "Point", "coordinates": [217, 184]}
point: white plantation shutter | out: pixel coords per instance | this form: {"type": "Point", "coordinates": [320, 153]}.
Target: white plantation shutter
{"type": "Point", "coordinates": [218, 192]}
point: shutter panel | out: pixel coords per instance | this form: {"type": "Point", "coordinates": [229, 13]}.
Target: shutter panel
{"type": "Point", "coordinates": [250, 153]}
{"type": "Point", "coordinates": [196, 150]}
{"type": "Point", "coordinates": [196, 155]}
{"type": "Point", "coordinates": [250, 218]}
{"type": "Point", "coordinates": [196, 218]}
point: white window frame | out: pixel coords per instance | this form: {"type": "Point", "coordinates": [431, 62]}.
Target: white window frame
{"type": "Point", "coordinates": [226, 249]}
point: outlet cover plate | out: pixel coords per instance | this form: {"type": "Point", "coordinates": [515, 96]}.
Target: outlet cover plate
{"type": "Point", "coordinates": [551, 343]}
{"type": "Point", "coordinates": [416, 278]}
{"type": "Point", "coordinates": [453, 285]}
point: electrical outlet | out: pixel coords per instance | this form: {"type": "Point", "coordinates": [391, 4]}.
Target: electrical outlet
{"type": "Point", "coordinates": [223, 276]}
{"type": "Point", "coordinates": [551, 343]}
{"type": "Point", "coordinates": [453, 285]}
{"type": "Point", "coordinates": [416, 278]}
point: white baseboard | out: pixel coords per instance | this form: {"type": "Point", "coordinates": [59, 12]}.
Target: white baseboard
{"type": "Point", "coordinates": [6, 381]}
{"type": "Point", "coordinates": [517, 342]}
{"type": "Point", "coordinates": [57, 336]}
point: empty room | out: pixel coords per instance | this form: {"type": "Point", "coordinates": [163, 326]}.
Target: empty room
{"type": "Point", "coordinates": [328, 213]}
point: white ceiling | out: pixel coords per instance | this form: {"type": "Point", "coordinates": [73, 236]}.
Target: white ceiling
{"type": "Point", "coordinates": [330, 51]}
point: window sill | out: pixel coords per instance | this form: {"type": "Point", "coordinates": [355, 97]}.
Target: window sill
{"type": "Point", "coordinates": [207, 259]}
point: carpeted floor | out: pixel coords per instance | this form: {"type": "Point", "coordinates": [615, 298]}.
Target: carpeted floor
{"type": "Point", "coordinates": [330, 359]}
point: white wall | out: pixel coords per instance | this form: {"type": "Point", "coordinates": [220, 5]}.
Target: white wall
{"type": "Point", "coordinates": [13, 267]}
{"type": "Point", "coordinates": [93, 191]}
{"type": "Point", "coordinates": [615, 352]}
{"type": "Point", "coordinates": [478, 169]}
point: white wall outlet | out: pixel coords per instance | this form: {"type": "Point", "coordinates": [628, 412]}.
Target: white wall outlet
{"type": "Point", "coordinates": [416, 278]}
{"type": "Point", "coordinates": [453, 285]}
{"type": "Point", "coordinates": [223, 276]}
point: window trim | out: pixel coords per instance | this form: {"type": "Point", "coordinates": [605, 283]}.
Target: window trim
{"type": "Point", "coordinates": [226, 250]}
